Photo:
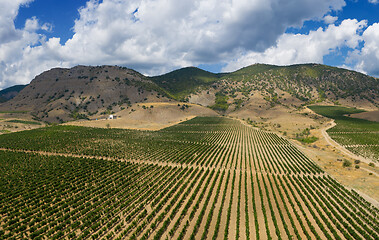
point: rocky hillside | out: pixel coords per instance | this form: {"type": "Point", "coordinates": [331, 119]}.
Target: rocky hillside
{"type": "Point", "coordinates": [84, 92]}
{"type": "Point", "coordinates": [289, 85]}
{"type": "Point", "coordinates": [307, 82]}
{"type": "Point", "coordinates": [61, 94]}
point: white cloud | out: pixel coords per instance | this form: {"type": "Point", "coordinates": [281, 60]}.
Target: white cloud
{"type": "Point", "coordinates": [374, 1]}
{"type": "Point", "coordinates": [159, 36]}
{"type": "Point", "coordinates": [169, 33]}
{"type": "Point", "coordinates": [367, 59]}
{"type": "Point", "coordinates": [9, 11]}
{"type": "Point", "coordinates": [21, 54]}
{"type": "Point", "coordinates": [305, 48]}
{"type": "Point", "coordinates": [330, 19]}
{"type": "Point", "coordinates": [48, 27]}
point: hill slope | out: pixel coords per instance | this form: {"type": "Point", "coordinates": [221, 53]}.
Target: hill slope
{"type": "Point", "coordinates": [90, 92]}
{"type": "Point", "coordinates": [11, 92]}
{"type": "Point", "coordinates": [180, 83]}
{"type": "Point", "coordinates": [303, 83]}
{"type": "Point", "coordinates": [80, 92]}
{"type": "Point", "coordinates": [307, 83]}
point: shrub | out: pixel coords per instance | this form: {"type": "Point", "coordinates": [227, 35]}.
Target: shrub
{"type": "Point", "coordinates": [346, 163]}
{"type": "Point", "coordinates": [308, 140]}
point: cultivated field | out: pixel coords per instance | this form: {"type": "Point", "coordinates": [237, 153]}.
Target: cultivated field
{"type": "Point", "coordinates": [357, 135]}
{"type": "Point", "coordinates": [206, 178]}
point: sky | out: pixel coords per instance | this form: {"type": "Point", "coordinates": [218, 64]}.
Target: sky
{"type": "Point", "coordinates": [158, 36]}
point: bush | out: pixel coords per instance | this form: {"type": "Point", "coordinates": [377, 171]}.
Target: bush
{"type": "Point", "coordinates": [308, 140]}
{"type": "Point", "coordinates": [357, 166]}
{"type": "Point", "coordinates": [346, 163]}
{"type": "Point", "coordinates": [371, 164]}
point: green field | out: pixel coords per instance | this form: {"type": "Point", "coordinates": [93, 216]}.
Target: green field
{"type": "Point", "coordinates": [357, 135]}
{"type": "Point", "coordinates": [206, 178]}
{"type": "Point", "coordinates": [24, 122]}
{"type": "Point", "coordinates": [13, 111]}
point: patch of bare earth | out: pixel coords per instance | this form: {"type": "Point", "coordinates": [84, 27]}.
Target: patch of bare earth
{"type": "Point", "coordinates": [149, 116]}
{"type": "Point", "coordinates": [203, 98]}
{"type": "Point", "coordinates": [371, 116]}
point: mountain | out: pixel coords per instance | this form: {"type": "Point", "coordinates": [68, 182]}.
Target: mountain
{"type": "Point", "coordinates": [301, 80]}
{"type": "Point", "coordinates": [62, 94]}
{"type": "Point", "coordinates": [308, 83]}
{"type": "Point", "coordinates": [182, 82]}
{"type": "Point", "coordinates": [11, 92]}
{"type": "Point", "coordinates": [85, 92]}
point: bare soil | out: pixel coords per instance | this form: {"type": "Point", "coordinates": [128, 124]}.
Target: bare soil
{"type": "Point", "coordinates": [371, 116]}
{"type": "Point", "coordinates": [203, 98]}
{"type": "Point", "coordinates": [149, 116]}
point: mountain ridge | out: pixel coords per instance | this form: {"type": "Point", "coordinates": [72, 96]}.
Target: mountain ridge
{"type": "Point", "coordinates": [10, 92]}
{"type": "Point", "coordinates": [65, 94]}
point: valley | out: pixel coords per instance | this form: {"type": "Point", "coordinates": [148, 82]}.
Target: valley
{"type": "Point", "coordinates": [265, 152]}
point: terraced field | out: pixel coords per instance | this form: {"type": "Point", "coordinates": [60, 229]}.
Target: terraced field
{"type": "Point", "coordinates": [357, 135]}
{"type": "Point", "coordinates": [207, 178]}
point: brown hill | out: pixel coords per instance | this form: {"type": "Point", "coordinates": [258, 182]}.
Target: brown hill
{"type": "Point", "coordinates": [61, 94]}
{"type": "Point", "coordinates": [259, 92]}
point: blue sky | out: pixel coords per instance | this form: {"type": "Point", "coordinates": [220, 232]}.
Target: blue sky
{"type": "Point", "coordinates": [215, 35]}
{"type": "Point", "coordinates": [61, 14]}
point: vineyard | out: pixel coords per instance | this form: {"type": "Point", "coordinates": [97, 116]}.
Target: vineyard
{"type": "Point", "coordinates": [206, 178]}
{"type": "Point", "coordinates": [357, 135]}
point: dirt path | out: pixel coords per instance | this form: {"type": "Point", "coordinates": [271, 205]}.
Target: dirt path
{"type": "Point", "coordinates": [333, 143]}
{"type": "Point", "coordinates": [325, 153]}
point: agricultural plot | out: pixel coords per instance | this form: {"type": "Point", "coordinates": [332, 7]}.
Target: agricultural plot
{"type": "Point", "coordinates": [207, 178]}
{"type": "Point", "coordinates": [357, 135]}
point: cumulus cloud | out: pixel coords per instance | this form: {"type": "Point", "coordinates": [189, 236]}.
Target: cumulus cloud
{"type": "Point", "coordinates": [9, 11]}
{"type": "Point", "coordinates": [152, 36]}
{"type": "Point", "coordinates": [374, 1]}
{"type": "Point", "coordinates": [366, 60]}
{"type": "Point", "coordinates": [305, 48]}
{"type": "Point", "coordinates": [330, 19]}
{"type": "Point", "coordinates": [14, 43]}
{"type": "Point", "coordinates": [185, 31]}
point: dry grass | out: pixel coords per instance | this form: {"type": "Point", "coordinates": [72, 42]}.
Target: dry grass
{"type": "Point", "coordinates": [150, 116]}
